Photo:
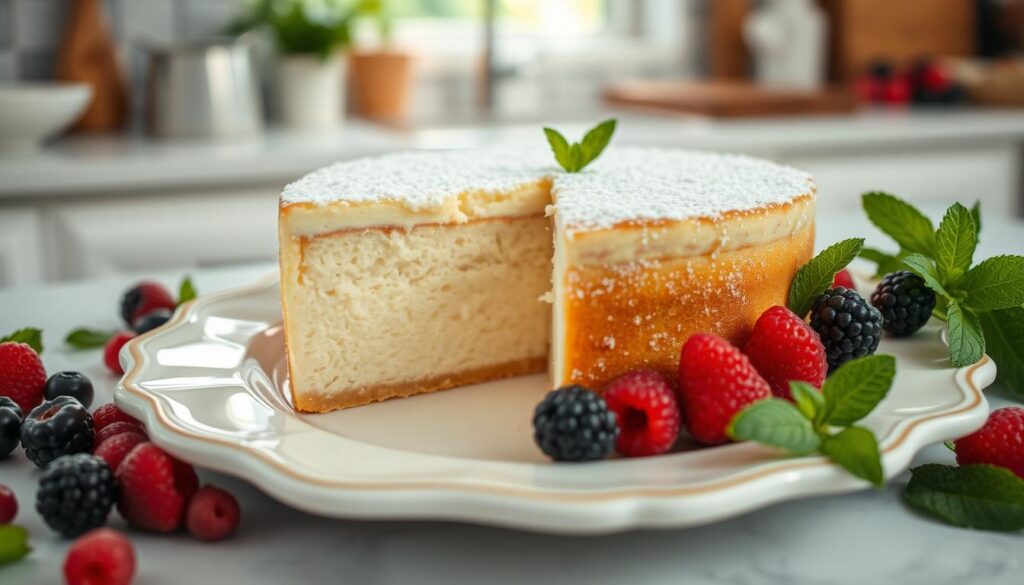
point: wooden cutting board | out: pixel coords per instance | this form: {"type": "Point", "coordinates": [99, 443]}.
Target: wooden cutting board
{"type": "Point", "coordinates": [726, 99]}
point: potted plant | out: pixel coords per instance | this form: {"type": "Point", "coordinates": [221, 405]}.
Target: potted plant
{"type": "Point", "coordinates": [381, 77]}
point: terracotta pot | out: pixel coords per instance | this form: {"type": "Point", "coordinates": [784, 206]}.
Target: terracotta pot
{"type": "Point", "coordinates": [381, 82]}
{"type": "Point", "coordinates": [87, 55]}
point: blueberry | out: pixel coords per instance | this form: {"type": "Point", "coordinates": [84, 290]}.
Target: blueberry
{"type": "Point", "coordinates": [73, 384]}
{"type": "Point", "coordinates": [151, 320]}
{"type": "Point", "coordinates": [10, 425]}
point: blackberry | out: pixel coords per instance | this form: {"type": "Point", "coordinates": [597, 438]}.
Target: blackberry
{"type": "Point", "coordinates": [151, 320]}
{"type": "Point", "coordinates": [573, 423]}
{"type": "Point", "coordinates": [905, 302]}
{"type": "Point", "coordinates": [848, 326]}
{"type": "Point", "coordinates": [76, 493]}
{"type": "Point", "coordinates": [10, 425]}
{"type": "Point", "coordinates": [61, 426]}
{"type": "Point", "coordinates": [73, 384]}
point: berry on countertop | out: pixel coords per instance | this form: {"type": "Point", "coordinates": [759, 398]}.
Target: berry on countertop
{"type": "Point", "coordinates": [118, 428]}
{"type": "Point", "coordinates": [716, 381]}
{"type": "Point", "coordinates": [10, 426]}
{"type": "Point", "coordinates": [73, 384]}
{"type": "Point", "coordinates": [155, 488]}
{"type": "Point", "coordinates": [22, 374]}
{"type": "Point", "coordinates": [109, 414]}
{"type": "Point", "coordinates": [573, 423]}
{"type": "Point", "coordinates": [76, 493]}
{"type": "Point", "coordinates": [112, 351]}
{"type": "Point", "coordinates": [8, 505]}
{"type": "Point", "coordinates": [114, 449]}
{"type": "Point", "coordinates": [143, 298]}
{"type": "Point", "coordinates": [783, 348]}
{"type": "Point", "coordinates": [212, 514]}
{"type": "Point", "coordinates": [151, 320]}
{"type": "Point", "coordinates": [101, 557]}
{"type": "Point", "coordinates": [61, 426]}
{"type": "Point", "coordinates": [905, 302]}
{"type": "Point", "coordinates": [1000, 442]}
{"type": "Point", "coordinates": [645, 405]}
{"type": "Point", "coordinates": [848, 326]}
{"type": "Point", "coordinates": [844, 279]}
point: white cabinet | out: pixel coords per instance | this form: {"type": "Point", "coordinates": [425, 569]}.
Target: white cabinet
{"type": "Point", "coordinates": [21, 259]}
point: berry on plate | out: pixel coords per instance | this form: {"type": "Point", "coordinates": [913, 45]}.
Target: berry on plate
{"type": "Point", "coordinates": [76, 493]}
{"type": "Point", "coordinates": [155, 489]}
{"type": "Point", "coordinates": [22, 374]}
{"type": "Point", "coordinates": [716, 381]}
{"type": "Point", "coordinates": [109, 414]}
{"type": "Point", "coordinates": [645, 404]}
{"type": "Point", "coordinates": [212, 514]}
{"type": "Point", "coordinates": [905, 302]}
{"type": "Point", "coordinates": [114, 449]}
{"type": "Point", "coordinates": [143, 298]}
{"type": "Point", "coordinates": [848, 326]}
{"type": "Point", "coordinates": [118, 428]}
{"type": "Point", "coordinates": [1000, 442]}
{"type": "Point", "coordinates": [10, 425]}
{"type": "Point", "coordinates": [573, 423]}
{"type": "Point", "coordinates": [112, 351]}
{"type": "Point", "coordinates": [8, 505]}
{"type": "Point", "coordinates": [844, 279]}
{"type": "Point", "coordinates": [784, 348]}
{"type": "Point", "coordinates": [101, 557]}
{"type": "Point", "coordinates": [151, 320]}
{"type": "Point", "coordinates": [61, 426]}
{"type": "Point", "coordinates": [73, 384]}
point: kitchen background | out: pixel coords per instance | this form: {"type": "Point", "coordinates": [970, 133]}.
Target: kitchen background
{"type": "Point", "coordinates": [199, 111]}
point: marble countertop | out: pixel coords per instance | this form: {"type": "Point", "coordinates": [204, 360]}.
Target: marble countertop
{"type": "Point", "coordinates": [860, 538]}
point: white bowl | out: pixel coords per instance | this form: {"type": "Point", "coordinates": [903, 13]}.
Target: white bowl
{"type": "Point", "coordinates": [33, 112]}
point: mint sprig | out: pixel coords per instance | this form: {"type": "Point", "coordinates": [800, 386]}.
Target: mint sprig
{"type": "Point", "coordinates": [816, 276]}
{"type": "Point", "coordinates": [83, 338]}
{"type": "Point", "coordinates": [13, 543]}
{"type": "Point", "coordinates": [901, 221]}
{"type": "Point", "coordinates": [973, 496]}
{"type": "Point", "coordinates": [577, 155]}
{"type": "Point", "coordinates": [1004, 337]}
{"type": "Point", "coordinates": [30, 336]}
{"type": "Point", "coordinates": [824, 423]}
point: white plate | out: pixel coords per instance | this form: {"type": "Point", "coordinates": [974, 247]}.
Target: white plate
{"type": "Point", "coordinates": [211, 388]}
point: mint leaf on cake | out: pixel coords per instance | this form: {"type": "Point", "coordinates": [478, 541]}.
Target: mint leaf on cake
{"type": "Point", "coordinates": [573, 157]}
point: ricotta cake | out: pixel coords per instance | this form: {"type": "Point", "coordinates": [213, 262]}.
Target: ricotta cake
{"type": "Point", "coordinates": [422, 271]}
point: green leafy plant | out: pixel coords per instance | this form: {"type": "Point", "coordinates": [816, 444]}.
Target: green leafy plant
{"type": "Point", "coordinates": [973, 496]}
{"type": "Point", "coordinates": [816, 276]}
{"type": "Point", "coordinates": [307, 27]}
{"type": "Point", "coordinates": [29, 335]}
{"type": "Point", "coordinates": [13, 543]}
{"type": "Point", "coordinates": [824, 422]}
{"type": "Point", "coordinates": [983, 304]}
{"type": "Point", "coordinates": [577, 155]}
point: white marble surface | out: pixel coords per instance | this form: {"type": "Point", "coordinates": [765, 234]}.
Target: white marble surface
{"type": "Point", "coordinates": [862, 538]}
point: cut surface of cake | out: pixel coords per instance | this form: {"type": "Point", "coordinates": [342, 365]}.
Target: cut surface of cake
{"type": "Point", "coordinates": [422, 271]}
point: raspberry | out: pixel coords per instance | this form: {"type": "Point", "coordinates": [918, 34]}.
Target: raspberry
{"type": "Point", "coordinates": [112, 351]}
{"type": "Point", "coordinates": [573, 423]}
{"type": "Point", "coordinates": [8, 505]}
{"type": "Point", "coordinates": [116, 448]}
{"type": "Point", "coordinates": [212, 514]}
{"type": "Point", "coordinates": [22, 374]}
{"type": "Point", "coordinates": [118, 428]}
{"type": "Point", "coordinates": [716, 381]}
{"type": "Point", "coordinates": [1000, 442]}
{"type": "Point", "coordinates": [155, 488]}
{"type": "Point", "coordinates": [100, 557]}
{"type": "Point", "coordinates": [111, 413]}
{"type": "Point", "coordinates": [143, 298]}
{"type": "Point", "coordinates": [73, 384]}
{"type": "Point", "coordinates": [905, 302]}
{"type": "Point", "coordinates": [61, 426]}
{"type": "Point", "coordinates": [848, 326]}
{"type": "Point", "coordinates": [645, 405]}
{"type": "Point", "coordinates": [10, 426]}
{"type": "Point", "coordinates": [76, 493]}
{"type": "Point", "coordinates": [844, 279]}
{"type": "Point", "coordinates": [783, 348]}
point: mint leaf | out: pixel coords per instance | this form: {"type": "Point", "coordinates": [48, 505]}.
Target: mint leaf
{"type": "Point", "coordinates": [996, 283]}
{"type": "Point", "coordinates": [83, 338]}
{"type": "Point", "coordinates": [856, 450]}
{"type": "Point", "coordinates": [560, 146]}
{"type": "Point", "coordinates": [816, 276]}
{"type": "Point", "coordinates": [955, 241]}
{"type": "Point", "coordinates": [807, 398]}
{"type": "Point", "coordinates": [186, 290]}
{"type": "Point", "coordinates": [976, 215]}
{"type": "Point", "coordinates": [901, 221]}
{"type": "Point", "coordinates": [923, 267]}
{"type": "Point", "coordinates": [774, 422]}
{"type": "Point", "coordinates": [13, 543]}
{"type": "Point", "coordinates": [574, 157]}
{"type": "Point", "coordinates": [973, 496]}
{"type": "Point", "coordinates": [595, 141]}
{"type": "Point", "coordinates": [1004, 341]}
{"type": "Point", "coordinates": [886, 263]}
{"type": "Point", "coordinates": [966, 341]}
{"type": "Point", "coordinates": [29, 336]}
{"type": "Point", "coordinates": [853, 390]}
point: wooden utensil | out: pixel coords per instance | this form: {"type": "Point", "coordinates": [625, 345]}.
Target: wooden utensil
{"type": "Point", "coordinates": [87, 54]}
{"type": "Point", "coordinates": [728, 99]}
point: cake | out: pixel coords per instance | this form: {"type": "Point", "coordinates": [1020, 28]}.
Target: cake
{"type": "Point", "coordinates": [421, 271]}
